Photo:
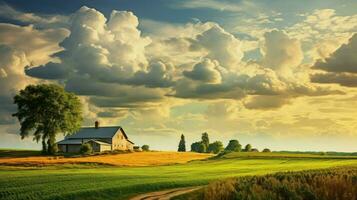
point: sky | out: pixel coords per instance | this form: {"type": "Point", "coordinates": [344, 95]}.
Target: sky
{"type": "Point", "coordinates": [269, 73]}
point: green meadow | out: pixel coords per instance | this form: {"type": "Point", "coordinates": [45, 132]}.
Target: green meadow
{"type": "Point", "coordinates": [105, 182]}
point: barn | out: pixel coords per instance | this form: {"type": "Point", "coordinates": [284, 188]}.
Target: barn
{"type": "Point", "coordinates": [106, 138]}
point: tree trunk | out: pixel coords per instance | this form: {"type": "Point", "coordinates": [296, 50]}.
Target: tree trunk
{"type": "Point", "coordinates": [44, 146]}
{"type": "Point", "coordinates": [51, 145]}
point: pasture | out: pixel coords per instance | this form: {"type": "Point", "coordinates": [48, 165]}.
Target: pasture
{"type": "Point", "coordinates": [76, 181]}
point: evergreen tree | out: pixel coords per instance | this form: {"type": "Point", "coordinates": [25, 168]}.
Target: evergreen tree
{"type": "Point", "coordinates": [182, 144]}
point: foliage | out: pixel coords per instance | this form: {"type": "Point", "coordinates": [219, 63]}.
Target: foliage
{"type": "Point", "coordinates": [254, 150]}
{"type": "Point", "coordinates": [205, 141]}
{"type": "Point", "coordinates": [266, 150]}
{"type": "Point", "coordinates": [215, 147]}
{"type": "Point", "coordinates": [86, 148]}
{"type": "Point", "coordinates": [145, 147]}
{"type": "Point", "coordinates": [202, 148]}
{"type": "Point", "coordinates": [233, 145]}
{"type": "Point", "coordinates": [195, 146]}
{"type": "Point", "coordinates": [327, 184]}
{"type": "Point", "coordinates": [45, 110]}
{"type": "Point", "coordinates": [248, 148]}
{"type": "Point", "coordinates": [182, 144]}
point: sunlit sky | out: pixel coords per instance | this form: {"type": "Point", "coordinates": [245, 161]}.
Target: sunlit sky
{"type": "Point", "coordinates": [278, 74]}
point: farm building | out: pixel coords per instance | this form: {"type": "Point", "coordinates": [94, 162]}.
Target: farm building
{"type": "Point", "coordinates": [100, 138]}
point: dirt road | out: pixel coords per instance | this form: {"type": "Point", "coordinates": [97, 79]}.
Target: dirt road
{"type": "Point", "coordinates": [165, 194]}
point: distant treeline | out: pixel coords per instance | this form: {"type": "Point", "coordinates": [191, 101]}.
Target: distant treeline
{"type": "Point", "coordinates": [328, 153]}
{"type": "Point", "coordinates": [216, 147]}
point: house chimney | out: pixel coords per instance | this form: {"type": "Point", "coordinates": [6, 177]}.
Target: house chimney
{"type": "Point", "coordinates": [96, 124]}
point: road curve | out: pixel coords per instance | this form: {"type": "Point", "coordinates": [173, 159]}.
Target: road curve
{"type": "Point", "coordinates": [165, 194]}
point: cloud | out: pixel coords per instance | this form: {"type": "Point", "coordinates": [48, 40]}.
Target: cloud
{"type": "Point", "coordinates": [214, 5]}
{"type": "Point", "coordinates": [38, 45]}
{"type": "Point", "coordinates": [340, 67]}
{"type": "Point", "coordinates": [221, 46]}
{"type": "Point", "coordinates": [205, 71]}
{"type": "Point", "coordinates": [12, 79]}
{"type": "Point", "coordinates": [266, 102]}
{"type": "Point", "coordinates": [281, 53]}
{"type": "Point", "coordinates": [9, 12]}
{"type": "Point", "coordinates": [344, 59]}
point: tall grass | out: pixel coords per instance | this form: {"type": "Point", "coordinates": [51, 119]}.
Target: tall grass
{"type": "Point", "coordinates": [327, 184]}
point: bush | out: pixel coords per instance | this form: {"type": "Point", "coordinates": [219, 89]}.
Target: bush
{"type": "Point", "coordinates": [266, 150]}
{"type": "Point", "coordinates": [145, 147]}
{"type": "Point", "coordinates": [86, 149]}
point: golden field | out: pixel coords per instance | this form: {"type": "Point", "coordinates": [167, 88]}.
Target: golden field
{"type": "Point", "coordinates": [126, 159]}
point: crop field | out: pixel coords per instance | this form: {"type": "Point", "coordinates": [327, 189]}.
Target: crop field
{"type": "Point", "coordinates": [327, 184]}
{"type": "Point", "coordinates": [76, 181]}
{"type": "Point", "coordinates": [125, 159]}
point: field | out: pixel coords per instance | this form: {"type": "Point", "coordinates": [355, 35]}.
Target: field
{"type": "Point", "coordinates": [326, 184]}
{"type": "Point", "coordinates": [83, 181]}
{"type": "Point", "coordinates": [124, 159]}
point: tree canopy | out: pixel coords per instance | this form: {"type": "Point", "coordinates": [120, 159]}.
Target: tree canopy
{"type": "Point", "coordinates": [233, 145]}
{"type": "Point", "coordinates": [248, 148]}
{"type": "Point", "coordinates": [45, 110]}
{"type": "Point", "coordinates": [145, 147]}
{"type": "Point", "coordinates": [182, 144]}
{"type": "Point", "coordinates": [215, 147]}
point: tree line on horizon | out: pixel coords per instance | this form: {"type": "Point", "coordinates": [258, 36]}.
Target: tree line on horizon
{"type": "Point", "coordinates": [204, 146]}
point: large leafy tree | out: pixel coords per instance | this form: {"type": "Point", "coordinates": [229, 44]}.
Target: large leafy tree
{"type": "Point", "coordinates": [44, 111]}
{"type": "Point", "coordinates": [233, 145]}
{"type": "Point", "coordinates": [182, 144]}
{"type": "Point", "coordinates": [215, 147]}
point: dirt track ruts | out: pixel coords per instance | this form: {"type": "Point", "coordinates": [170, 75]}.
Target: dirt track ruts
{"type": "Point", "coordinates": [165, 194]}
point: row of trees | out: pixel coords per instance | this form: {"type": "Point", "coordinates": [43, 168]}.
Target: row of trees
{"type": "Point", "coordinates": [204, 146]}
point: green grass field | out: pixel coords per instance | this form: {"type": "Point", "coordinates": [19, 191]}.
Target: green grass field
{"type": "Point", "coordinates": [100, 182]}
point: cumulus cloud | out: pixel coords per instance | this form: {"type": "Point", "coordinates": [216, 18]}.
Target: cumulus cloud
{"type": "Point", "coordinates": [206, 71]}
{"type": "Point", "coordinates": [38, 45]}
{"type": "Point", "coordinates": [281, 53]}
{"type": "Point", "coordinates": [340, 66]}
{"type": "Point", "coordinates": [221, 46]}
{"type": "Point", "coordinates": [12, 63]}
{"type": "Point", "coordinates": [344, 59]}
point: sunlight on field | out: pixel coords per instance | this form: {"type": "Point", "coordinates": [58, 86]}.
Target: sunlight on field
{"type": "Point", "coordinates": [128, 159]}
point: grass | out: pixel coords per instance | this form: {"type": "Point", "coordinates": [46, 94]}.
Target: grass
{"type": "Point", "coordinates": [327, 184]}
{"type": "Point", "coordinates": [76, 182]}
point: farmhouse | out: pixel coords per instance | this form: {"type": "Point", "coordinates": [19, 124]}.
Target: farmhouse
{"type": "Point", "coordinates": [100, 138]}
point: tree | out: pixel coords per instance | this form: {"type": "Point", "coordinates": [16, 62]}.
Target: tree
{"type": "Point", "coordinates": [215, 147]}
{"type": "Point", "coordinates": [182, 144]}
{"type": "Point", "coordinates": [145, 147]}
{"type": "Point", "coordinates": [248, 148]}
{"type": "Point", "coordinates": [233, 145]}
{"type": "Point", "coordinates": [254, 150]}
{"type": "Point", "coordinates": [205, 140]}
{"type": "Point", "coordinates": [195, 146]}
{"type": "Point", "coordinates": [266, 150]}
{"type": "Point", "coordinates": [45, 110]}
{"type": "Point", "coordinates": [202, 148]}
{"type": "Point", "coordinates": [86, 148]}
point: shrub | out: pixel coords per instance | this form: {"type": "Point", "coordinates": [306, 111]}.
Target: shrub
{"type": "Point", "coordinates": [266, 150]}
{"type": "Point", "coordinates": [145, 147]}
{"type": "Point", "coordinates": [86, 149]}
